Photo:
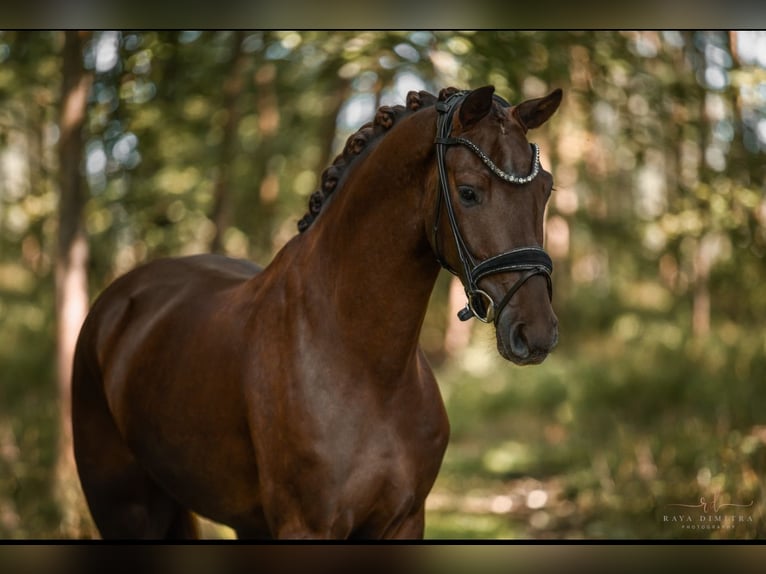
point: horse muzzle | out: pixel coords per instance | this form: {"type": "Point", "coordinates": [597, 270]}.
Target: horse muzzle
{"type": "Point", "coordinates": [526, 343]}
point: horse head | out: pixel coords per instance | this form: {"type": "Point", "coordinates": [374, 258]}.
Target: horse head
{"type": "Point", "coordinates": [488, 225]}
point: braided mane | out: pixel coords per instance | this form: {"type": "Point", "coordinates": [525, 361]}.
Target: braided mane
{"type": "Point", "coordinates": [385, 118]}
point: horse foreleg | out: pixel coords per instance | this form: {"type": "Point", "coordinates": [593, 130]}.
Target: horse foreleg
{"type": "Point", "coordinates": [412, 528]}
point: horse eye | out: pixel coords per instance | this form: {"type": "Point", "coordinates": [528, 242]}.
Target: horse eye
{"type": "Point", "coordinates": [468, 195]}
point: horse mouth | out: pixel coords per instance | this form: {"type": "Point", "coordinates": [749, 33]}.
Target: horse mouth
{"type": "Point", "coordinates": [530, 359]}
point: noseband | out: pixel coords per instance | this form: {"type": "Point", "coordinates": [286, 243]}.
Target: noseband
{"type": "Point", "coordinates": [529, 261]}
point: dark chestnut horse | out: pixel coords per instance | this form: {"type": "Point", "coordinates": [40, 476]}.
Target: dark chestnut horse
{"type": "Point", "coordinates": [293, 401]}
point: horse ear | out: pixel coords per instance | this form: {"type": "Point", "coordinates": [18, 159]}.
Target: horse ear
{"type": "Point", "coordinates": [476, 105]}
{"type": "Point", "coordinates": [534, 113]}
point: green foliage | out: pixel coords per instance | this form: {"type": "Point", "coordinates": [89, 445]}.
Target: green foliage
{"type": "Point", "coordinates": [28, 407]}
{"type": "Point", "coordinates": [611, 435]}
{"type": "Point", "coordinates": [657, 228]}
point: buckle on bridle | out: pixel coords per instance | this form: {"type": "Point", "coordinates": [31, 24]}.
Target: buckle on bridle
{"type": "Point", "coordinates": [479, 305]}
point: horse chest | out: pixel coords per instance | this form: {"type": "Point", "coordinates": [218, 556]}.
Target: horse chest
{"type": "Point", "coordinates": [346, 462]}
{"type": "Point", "coordinates": [392, 475]}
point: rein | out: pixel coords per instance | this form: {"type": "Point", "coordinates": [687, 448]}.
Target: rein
{"type": "Point", "coordinates": [529, 261]}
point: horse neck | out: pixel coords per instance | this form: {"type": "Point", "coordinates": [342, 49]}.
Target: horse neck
{"type": "Point", "coordinates": [371, 262]}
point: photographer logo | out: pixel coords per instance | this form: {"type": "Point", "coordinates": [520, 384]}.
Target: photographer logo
{"type": "Point", "coordinates": [708, 515]}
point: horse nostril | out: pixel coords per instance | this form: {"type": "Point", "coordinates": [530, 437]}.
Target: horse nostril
{"type": "Point", "coordinates": [519, 344]}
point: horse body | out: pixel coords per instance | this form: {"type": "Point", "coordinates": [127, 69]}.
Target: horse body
{"type": "Point", "coordinates": [292, 401]}
{"type": "Point", "coordinates": [199, 426]}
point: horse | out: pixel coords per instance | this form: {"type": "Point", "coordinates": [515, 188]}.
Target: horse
{"type": "Point", "coordinates": [293, 400]}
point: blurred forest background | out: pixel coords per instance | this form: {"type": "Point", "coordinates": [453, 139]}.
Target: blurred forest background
{"type": "Point", "coordinates": [120, 147]}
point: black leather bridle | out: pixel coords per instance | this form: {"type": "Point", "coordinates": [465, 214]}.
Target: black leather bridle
{"type": "Point", "coordinates": [529, 261]}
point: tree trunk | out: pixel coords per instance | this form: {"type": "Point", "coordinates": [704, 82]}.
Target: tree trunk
{"type": "Point", "coordinates": [71, 268]}
{"type": "Point", "coordinates": [232, 91]}
{"type": "Point", "coordinates": [701, 275]}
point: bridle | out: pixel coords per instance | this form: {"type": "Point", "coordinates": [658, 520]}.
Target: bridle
{"type": "Point", "coordinates": [530, 261]}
